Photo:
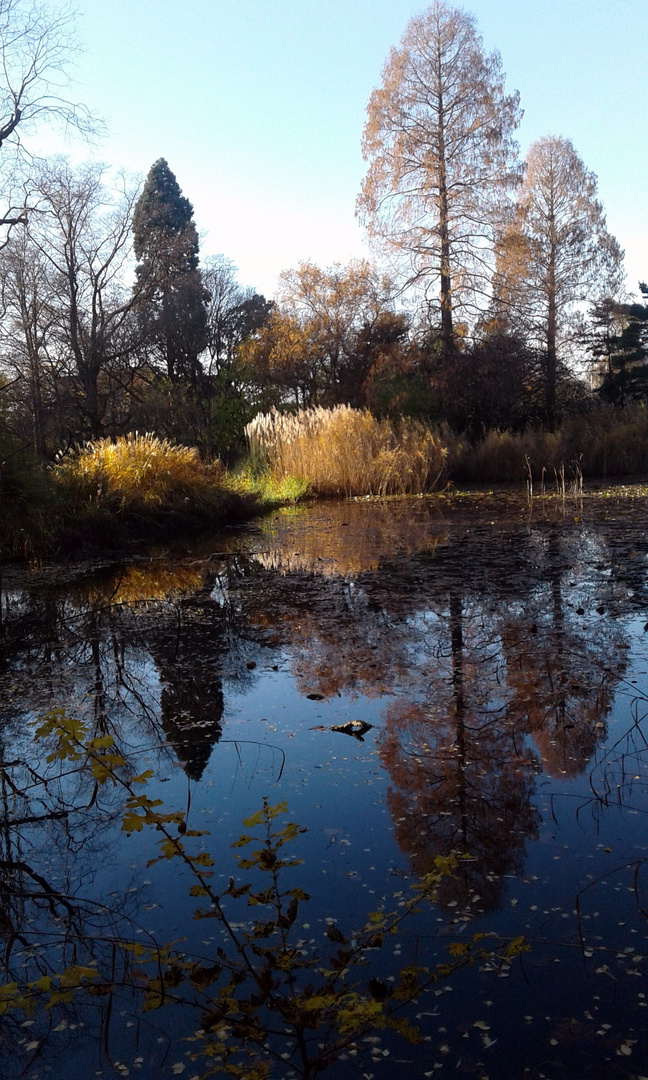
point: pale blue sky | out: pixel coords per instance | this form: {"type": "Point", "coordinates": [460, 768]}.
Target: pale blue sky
{"type": "Point", "coordinates": [258, 106]}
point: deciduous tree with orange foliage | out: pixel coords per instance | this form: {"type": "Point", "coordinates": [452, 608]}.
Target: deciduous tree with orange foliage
{"type": "Point", "coordinates": [555, 253]}
{"type": "Point", "coordinates": [331, 332]}
{"type": "Point", "coordinates": [439, 140]}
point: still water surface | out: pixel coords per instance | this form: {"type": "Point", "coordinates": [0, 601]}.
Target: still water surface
{"type": "Point", "coordinates": [499, 657]}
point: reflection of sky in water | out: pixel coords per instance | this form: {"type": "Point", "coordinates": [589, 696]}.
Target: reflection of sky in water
{"type": "Point", "coordinates": [500, 666]}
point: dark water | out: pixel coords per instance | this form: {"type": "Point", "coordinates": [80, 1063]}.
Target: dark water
{"type": "Point", "coordinates": [500, 659]}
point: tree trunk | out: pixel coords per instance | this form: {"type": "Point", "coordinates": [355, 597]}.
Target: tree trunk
{"type": "Point", "coordinates": [447, 336]}
{"type": "Point", "coordinates": [551, 361]}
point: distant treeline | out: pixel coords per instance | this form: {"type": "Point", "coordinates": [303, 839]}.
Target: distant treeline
{"type": "Point", "coordinates": [502, 311]}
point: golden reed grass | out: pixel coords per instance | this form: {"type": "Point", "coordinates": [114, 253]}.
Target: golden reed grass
{"type": "Point", "coordinates": [139, 471]}
{"type": "Point", "coordinates": [345, 451]}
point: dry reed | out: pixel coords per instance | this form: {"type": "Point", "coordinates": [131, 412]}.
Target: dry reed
{"type": "Point", "coordinates": [345, 451]}
{"type": "Point", "coordinates": [607, 442]}
{"type": "Point", "coordinates": [137, 472]}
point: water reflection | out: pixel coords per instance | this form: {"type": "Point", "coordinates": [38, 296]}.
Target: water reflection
{"type": "Point", "coordinates": [353, 540]}
{"type": "Point", "coordinates": [489, 638]}
{"type": "Point", "coordinates": [461, 779]}
{"type": "Point", "coordinates": [564, 659]}
{"type": "Point", "coordinates": [510, 631]}
{"type": "Point", "coordinates": [490, 650]}
{"type": "Point", "coordinates": [502, 650]}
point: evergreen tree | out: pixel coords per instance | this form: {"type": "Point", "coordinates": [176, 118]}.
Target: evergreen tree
{"type": "Point", "coordinates": [173, 307]}
{"type": "Point", "coordinates": [620, 342]}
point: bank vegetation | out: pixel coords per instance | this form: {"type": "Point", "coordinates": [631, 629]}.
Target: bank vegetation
{"type": "Point", "coordinates": [491, 339]}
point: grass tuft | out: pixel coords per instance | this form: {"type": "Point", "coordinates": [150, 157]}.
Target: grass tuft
{"type": "Point", "coordinates": [345, 451]}
{"type": "Point", "coordinates": [138, 473]}
{"type": "Point", "coordinates": [268, 488]}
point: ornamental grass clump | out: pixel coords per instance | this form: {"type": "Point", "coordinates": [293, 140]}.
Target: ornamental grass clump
{"type": "Point", "coordinates": [604, 443]}
{"type": "Point", "coordinates": [347, 451]}
{"type": "Point", "coordinates": [140, 473]}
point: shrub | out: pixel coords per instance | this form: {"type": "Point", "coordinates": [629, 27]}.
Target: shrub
{"type": "Point", "coordinates": [140, 472]}
{"type": "Point", "coordinates": [347, 451]}
{"type": "Point", "coordinates": [29, 502]}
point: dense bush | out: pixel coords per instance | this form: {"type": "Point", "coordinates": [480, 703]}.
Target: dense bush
{"type": "Point", "coordinates": [29, 502]}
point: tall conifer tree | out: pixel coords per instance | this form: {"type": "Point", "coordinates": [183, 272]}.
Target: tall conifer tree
{"type": "Point", "coordinates": [439, 142]}
{"type": "Point", "coordinates": [174, 300]}
{"type": "Point", "coordinates": [555, 253]}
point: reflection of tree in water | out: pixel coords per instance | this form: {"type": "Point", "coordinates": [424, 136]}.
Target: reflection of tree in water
{"type": "Point", "coordinates": [476, 630]}
{"type": "Point", "coordinates": [318, 598]}
{"type": "Point", "coordinates": [461, 782]}
{"type": "Point", "coordinates": [563, 661]}
{"type": "Point", "coordinates": [522, 664]}
{"type": "Point", "coordinates": [340, 640]}
{"type": "Point", "coordinates": [66, 898]}
{"type": "Point", "coordinates": [94, 642]}
{"type": "Point", "coordinates": [187, 651]}
{"type": "Point", "coordinates": [485, 638]}
{"type": "Point", "coordinates": [131, 664]}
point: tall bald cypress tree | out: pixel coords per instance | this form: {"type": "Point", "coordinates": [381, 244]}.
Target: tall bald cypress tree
{"type": "Point", "coordinates": [173, 305]}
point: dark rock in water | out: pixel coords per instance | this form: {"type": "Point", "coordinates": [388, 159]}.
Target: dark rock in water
{"type": "Point", "coordinates": [315, 697]}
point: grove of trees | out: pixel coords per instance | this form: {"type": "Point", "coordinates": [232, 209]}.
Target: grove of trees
{"type": "Point", "coordinates": [496, 300]}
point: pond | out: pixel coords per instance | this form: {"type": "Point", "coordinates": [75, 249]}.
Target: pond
{"type": "Point", "coordinates": [413, 678]}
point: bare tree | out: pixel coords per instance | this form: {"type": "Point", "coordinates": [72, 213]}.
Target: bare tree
{"type": "Point", "coordinates": [37, 48]}
{"type": "Point", "coordinates": [25, 332]}
{"type": "Point", "coordinates": [233, 313]}
{"type": "Point", "coordinates": [555, 253]}
{"type": "Point", "coordinates": [441, 152]}
{"type": "Point", "coordinates": [83, 234]}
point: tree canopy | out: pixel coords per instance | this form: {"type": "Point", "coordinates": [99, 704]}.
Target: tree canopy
{"type": "Point", "coordinates": [555, 252]}
{"type": "Point", "coordinates": [173, 301]}
{"type": "Point", "coordinates": [439, 142]}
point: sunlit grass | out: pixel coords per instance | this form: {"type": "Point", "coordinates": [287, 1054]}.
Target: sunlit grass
{"type": "Point", "coordinates": [268, 487]}
{"type": "Point", "coordinates": [345, 451]}
{"type": "Point", "coordinates": [140, 472]}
